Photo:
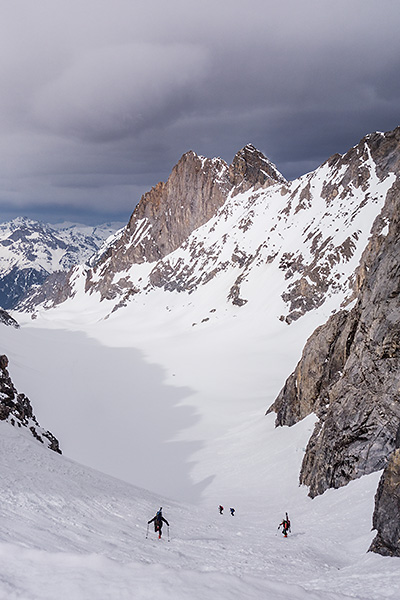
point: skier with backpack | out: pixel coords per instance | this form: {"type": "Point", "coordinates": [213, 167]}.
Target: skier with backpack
{"type": "Point", "coordinates": [285, 526]}
{"type": "Point", "coordinates": [158, 520]}
{"type": "Point", "coordinates": [221, 509]}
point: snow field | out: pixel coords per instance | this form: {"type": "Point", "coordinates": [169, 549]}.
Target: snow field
{"type": "Point", "coordinates": [70, 532]}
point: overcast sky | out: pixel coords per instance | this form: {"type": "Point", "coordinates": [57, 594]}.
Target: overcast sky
{"type": "Point", "coordinates": [100, 98]}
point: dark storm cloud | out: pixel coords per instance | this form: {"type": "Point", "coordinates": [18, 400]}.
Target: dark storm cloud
{"type": "Point", "coordinates": [100, 98]}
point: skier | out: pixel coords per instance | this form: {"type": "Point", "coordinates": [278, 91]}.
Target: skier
{"type": "Point", "coordinates": [285, 526]}
{"type": "Point", "coordinates": [158, 522]}
{"type": "Point", "coordinates": [221, 509]}
{"type": "Point", "coordinates": [232, 511]}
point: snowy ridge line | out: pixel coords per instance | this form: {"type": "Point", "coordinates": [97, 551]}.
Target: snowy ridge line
{"type": "Point", "coordinates": [212, 247]}
{"type": "Point", "coordinates": [110, 240]}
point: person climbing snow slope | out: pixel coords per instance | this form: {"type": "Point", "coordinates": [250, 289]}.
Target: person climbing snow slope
{"type": "Point", "coordinates": [285, 525]}
{"type": "Point", "coordinates": [158, 520]}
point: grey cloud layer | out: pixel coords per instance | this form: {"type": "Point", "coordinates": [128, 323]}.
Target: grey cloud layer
{"type": "Point", "coordinates": [100, 98]}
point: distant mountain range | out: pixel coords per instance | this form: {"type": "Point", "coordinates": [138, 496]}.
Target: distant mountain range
{"type": "Point", "coordinates": [30, 251]}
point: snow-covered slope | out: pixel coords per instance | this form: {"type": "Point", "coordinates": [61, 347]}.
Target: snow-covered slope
{"type": "Point", "coordinates": [31, 250]}
{"type": "Point", "coordinates": [71, 533]}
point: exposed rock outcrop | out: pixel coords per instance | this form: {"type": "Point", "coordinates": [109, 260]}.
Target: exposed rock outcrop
{"type": "Point", "coordinates": [349, 371]}
{"type": "Point", "coordinates": [17, 410]}
{"type": "Point", "coordinates": [386, 519]}
{"type": "Point", "coordinates": [7, 319]}
{"type": "Point", "coordinates": [251, 169]}
{"type": "Point", "coordinates": [194, 191]}
{"type": "Point", "coordinates": [55, 290]}
{"type": "Point", "coordinates": [348, 375]}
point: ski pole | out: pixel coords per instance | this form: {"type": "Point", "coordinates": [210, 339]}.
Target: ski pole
{"type": "Point", "coordinates": [147, 532]}
{"type": "Point", "coordinates": [168, 533]}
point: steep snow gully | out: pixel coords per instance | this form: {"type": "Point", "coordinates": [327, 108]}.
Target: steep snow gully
{"type": "Point", "coordinates": [69, 532]}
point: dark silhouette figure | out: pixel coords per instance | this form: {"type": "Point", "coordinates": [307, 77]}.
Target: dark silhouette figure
{"type": "Point", "coordinates": [158, 520]}
{"type": "Point", "coordinates": [221, 509]}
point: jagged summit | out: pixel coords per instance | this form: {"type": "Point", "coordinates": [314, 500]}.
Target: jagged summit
{"type": "Point", "coordinates": [251, 168]}
{"type": "Point", "coordinates": [170, 211]}
{"type": "Point", "coordinates": [168, 214]}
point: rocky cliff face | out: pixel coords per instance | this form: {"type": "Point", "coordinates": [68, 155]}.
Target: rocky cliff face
{"type": "Point", "coordinates": [171, 211]}
{"type": "Point", "coordinates": [349, 371]}
{"type": "Point", "coordinates": [386, 518]}
{"type": "Point", "coordinates": [17, 410]}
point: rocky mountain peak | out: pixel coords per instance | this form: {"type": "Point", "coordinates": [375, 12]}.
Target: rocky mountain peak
{"type": "Point", "coordinates": [384, 148]}
{"type": "Point", "coordinates": [166, 215]}
{"type": "Point", "coordinates": [196, 188]}
{"type": "Point", "coordinates": [195, 226]}
{"type": "Point", "coordinates": [194, 191]}
{"type": "Point", "coordinates": [250, 168]}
